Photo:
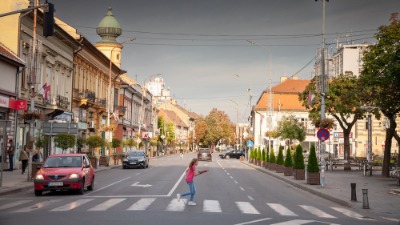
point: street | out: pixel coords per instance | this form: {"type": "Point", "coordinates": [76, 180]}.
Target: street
{"type": "Point", "coordinates": [229, 193]}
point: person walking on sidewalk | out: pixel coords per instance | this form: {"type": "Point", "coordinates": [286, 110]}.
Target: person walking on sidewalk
{"type": "Point", "coordinates": [190, 174]}
{"type": "Point", "coordinates": [23, 157]}
{"type": "Point", "coordinates": [10, 153]}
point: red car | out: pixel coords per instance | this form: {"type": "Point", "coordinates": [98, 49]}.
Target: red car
{"type": "Point", "coordinates": [65, 172]}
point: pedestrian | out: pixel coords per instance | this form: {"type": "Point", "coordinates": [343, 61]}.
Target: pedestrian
{"type": "Point", "coordinates": [10, 153]}
{"type": "Point", "coordinates": [37, 155]}
{"type": "Point", "coordinates": [190, 174]}
{"type": "Point", "coordinates": [23, 157]}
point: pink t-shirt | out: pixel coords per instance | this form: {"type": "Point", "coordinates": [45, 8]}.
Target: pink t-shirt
{"type": "Point", "coordinates": [190, 174]}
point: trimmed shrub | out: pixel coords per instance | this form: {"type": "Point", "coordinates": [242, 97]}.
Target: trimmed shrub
{"type": "Point", "coordinates": [312, 166]}
{"type": "Point", "coordinates": [263, 155]}
{"type": "Point", "coordinates": [299, 158]}
{"type": "Point", "coordinates": [279, 160]}
{"type": "Point", "coordinates": [267, 155]}
{"type": "Point", "coordinates": [272, 158]}
{"type": "Point", "coordinates": [288, 159]}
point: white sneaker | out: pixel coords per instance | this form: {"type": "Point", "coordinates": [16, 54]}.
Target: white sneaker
{"type": "Point", "coordinates": [178, 196]}
{"type": "Point", "coordinates": [192, 203]}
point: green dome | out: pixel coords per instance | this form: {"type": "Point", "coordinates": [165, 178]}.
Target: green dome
{"type": "Point", "coordinates": [109, 28]}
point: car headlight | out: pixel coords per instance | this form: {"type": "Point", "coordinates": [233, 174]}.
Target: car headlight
{"type": "Point", "coordinates": [73, 176]}
{"type": "Point", "coordinates": [39, 177]}
{"type": "Point", "coordinates": [125, 160]}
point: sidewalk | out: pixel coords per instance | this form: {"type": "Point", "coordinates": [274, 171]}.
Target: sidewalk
{"type": "Point", "coordinates": [383, 193]}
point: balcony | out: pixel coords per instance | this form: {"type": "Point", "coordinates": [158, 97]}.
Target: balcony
{"type": "Point", "coordinates": [121, 110]}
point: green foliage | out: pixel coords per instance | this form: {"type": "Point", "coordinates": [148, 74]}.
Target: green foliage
{"type": "Point", "coordinates": [115, 143]}
{"type": "Point", "coordinates": [290, 128]}
{"type": "Point", "coordinates": [279, 160]}
{"type": "Point", "coordinates": [129, 142]}
{"type": "Point", "coordinates": [64, 141]}
{"type": "Point", "coordinates": [312, 165]}
{"type": "Point", "coordinates": [258, 154]}
{"type": "Point", "coordinates": [272, 158]}
{"type": "Point", "coordinates": [95, 142]}
{"type": "Point", "coordinates": [298, 158]}
{"type": "Point", "coordinates": [41, 140]}
{"type": "Point", "coordinates": [80, 141]}
{"type": "Point", "coordinates": [288, 159]}
{"type": "Point", "coordinates": [267, 155]}
{"type": "Point", "coordinates": [263, 155]}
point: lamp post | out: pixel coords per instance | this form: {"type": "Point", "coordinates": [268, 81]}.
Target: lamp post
{"type": "Point", "coordinates": [109, 94]}
{"type": "Point", "coordinates": [369, 109]}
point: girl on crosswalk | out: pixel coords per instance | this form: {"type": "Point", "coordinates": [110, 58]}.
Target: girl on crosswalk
{"type": "Point", "coordinates": [190, 174]}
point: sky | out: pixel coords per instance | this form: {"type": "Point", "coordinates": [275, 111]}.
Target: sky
{"type": "Point", "coordinates": [223, 53]}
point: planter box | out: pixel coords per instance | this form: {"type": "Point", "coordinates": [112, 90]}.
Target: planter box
{"type": "Point", "coordinates": [103, 161]}
{"type": "Point", "coordinates": [313, 178]}
{"type": "Point", "coordinates": [299, 174]}
{"type": "Point", "coordinates": [279, 168]}
{"type": "Point", "coordinates": [288, 171]}
{"type": "Point", "coordinates": [271, 166]}
{"type": "Point", "coordinates": [266, 165]}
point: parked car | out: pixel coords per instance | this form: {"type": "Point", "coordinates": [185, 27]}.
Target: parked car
{"type": "Point", "coordinates": [232, 154]}
{"type": "Point", "coordinates": [135, 159]}
{"type": "Point", "coordinates": [65, 172]}
{"type": "Point", "coordinates": [204, 154]}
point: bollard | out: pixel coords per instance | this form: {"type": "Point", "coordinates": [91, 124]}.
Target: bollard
{"type": "Point", "coordinates": [353, 192]}
{"type": "Point", "coordinates": [365, 199]}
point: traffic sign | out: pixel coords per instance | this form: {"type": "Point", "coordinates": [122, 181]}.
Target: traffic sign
{"type": "Point", "coordinates": [323, 134]}
{"type": "Point", "coordinates": [250, 144]}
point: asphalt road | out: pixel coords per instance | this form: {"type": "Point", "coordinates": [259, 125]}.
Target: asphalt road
{"type": "Point", "coordinates": [229, 193]}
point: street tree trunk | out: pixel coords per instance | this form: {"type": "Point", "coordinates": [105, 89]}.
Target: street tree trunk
{"type": "Point", "coordinates": [390, 131]}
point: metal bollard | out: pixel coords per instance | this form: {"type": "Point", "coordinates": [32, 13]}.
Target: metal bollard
{"type": "Point", "coordinates": [365, 199]}
{"type": "Point", "coordinates": [353, 192]}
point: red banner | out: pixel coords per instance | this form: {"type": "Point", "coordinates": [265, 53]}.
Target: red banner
{"type": "Point", "coordinates": [18, 104]}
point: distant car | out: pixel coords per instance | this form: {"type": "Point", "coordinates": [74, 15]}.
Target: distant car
{"type": "Point", "coordinates": [204, 154]}
{"type": "Point", "coordinates": [65, 172]}
{"type": "Point", "coordinates": [135, 159]}
{"type": "Point", "coordinates": [232, 154]}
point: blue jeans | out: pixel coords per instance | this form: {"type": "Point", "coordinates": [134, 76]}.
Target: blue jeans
{"type": "Point", "coordinates": [11, 160]}
{"type": "Point", "coordinates": [191, 192]}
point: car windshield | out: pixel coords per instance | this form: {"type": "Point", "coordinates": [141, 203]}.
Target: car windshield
{"type": "Point", "coordinates": [64, 161]}
{"type": "Point", "coordinates": [135, 154]}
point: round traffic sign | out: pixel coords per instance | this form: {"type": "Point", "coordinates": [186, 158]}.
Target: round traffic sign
{"type": "Point", "coordinates": [323, 134]}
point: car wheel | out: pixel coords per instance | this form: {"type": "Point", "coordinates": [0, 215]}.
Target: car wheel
{"type": "Point", "coordinates": [123, 167]}
{"type": "Point", "coordinates": [227, 156]}
{"type": "Point", "coordinates": [82, 189]}
{"type": "Point", "coordinates": [38, 193]}
{"type": "Point", "coordinates": [90, 188]}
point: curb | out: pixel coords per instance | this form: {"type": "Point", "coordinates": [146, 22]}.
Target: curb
{"type": "Point", "coordinates": [302, 187]}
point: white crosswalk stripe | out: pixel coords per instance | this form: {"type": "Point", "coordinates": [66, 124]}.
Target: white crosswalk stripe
{"type": "Point", "coordinates": [247, 208]}
{"type": "Point", "coordinates": [282, 210]}
{"type": "Point", "coordinates": [107, 204]}
{"type": "Point", "coordinates": [37, 206]}
{"type": "Point", "coordinates": [142, 204]}
{"type": "Point", "coordinates": [71, 205]}
{"type": "Point", "coordinates": [176, 206]}
{"type": "Point", "coordinates": [211, 206]}
{"type": "Point", "coordinates": [350, 213]}
{"type": "Point", "coordinates": [13, 204]}
{"type": "Point", "coordinates": [317, 212]}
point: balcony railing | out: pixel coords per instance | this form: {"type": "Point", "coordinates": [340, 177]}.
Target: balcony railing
{"type": "Point", "coordinates": [121, 109]}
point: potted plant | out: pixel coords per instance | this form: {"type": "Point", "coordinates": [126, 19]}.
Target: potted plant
{"type": "Point", "coordinates": [115, 143]}
{"type": "Point", "coordinates": [29, 115]}
{"type": "Point", "coordinates": [313, 175]}
{"type": "Point", "coordinates": [258, 156]}
{"type": "Point", "coordinates": [288, 171]}
{"type": "Point", "coordinates": [263, 158]}
{"type": "Point", "coordinates": [267, 158]}
{"type": "Point", "coordinates": [279, 168]}
{"type": "Point", "coordinates": [272, 160]}
{"type": "Point", "coordinates": [298, 165]}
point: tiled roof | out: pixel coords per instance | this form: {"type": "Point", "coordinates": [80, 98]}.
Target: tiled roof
{"type": "Point", "coordinates": [285, 96]}
{"type": "Point", "coordinates": [171, 116]}
{"type": "Point", "coordinates": [5, 52]}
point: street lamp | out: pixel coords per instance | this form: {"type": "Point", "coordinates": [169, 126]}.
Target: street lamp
{"type": "Point", "coordinates": [369, 109]}
{"type": "Point", "coordinates": [109, 96]}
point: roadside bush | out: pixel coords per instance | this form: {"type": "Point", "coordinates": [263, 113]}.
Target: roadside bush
{"type": "Point", "coordinates": [288, 159]}
{"type": "Point", "coordinates": [279, 160]}
{"type": "Point", "coordinates": [299, 158]}
{"type": "Point", "coordinates": [272, 158]}
{"type": "Point", "coordinates": [312, 165]}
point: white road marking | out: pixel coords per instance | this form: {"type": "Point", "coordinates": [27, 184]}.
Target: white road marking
{"type": "Point", "coordinates": [282, 210]}
{"type": "Point", "coordinates": [99, 189]}
{"type": "Point", "coordinates": [71, 205]}
{"type": "Point", "coordinates": [350, 213]}
{"type": "Point", "coordinates": [136, 184]}
{"type": "Point", "coordinates": [236, 182]}
{"type": "Point", "coordinates": [176, 206]}
{"type": "Point", "coordinates": [39, 205]}
{"type": "Point", "coordinates": [253, 221]}
{"type": "Point", "coordinates": [315, 211]}
{"type": "Point", "coordinates": [251, 198]}
{"type": "Point", "coordinates": [176, 184]}
{"type": "Point", "coordinates": [13, 204]}
{"type": "Point", "coordinates": [241, 188]}
{"type": "Point", "coordinates": [294, 222]}
{"type": "Point", "coordinates": [107, 204]}
{"type": "Point", "coordinates": [247, 208]}
{"type": "Point", "coordinates": [142, 204]}
{"type": "Point", "coordinates": [231, 177]}
{"type": "Point", "coordinates": [211, 206]}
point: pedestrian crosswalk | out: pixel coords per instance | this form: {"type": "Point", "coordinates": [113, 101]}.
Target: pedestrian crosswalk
{"type": "Point", "coordinates": [173, 205]}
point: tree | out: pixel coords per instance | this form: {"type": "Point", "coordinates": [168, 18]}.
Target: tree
{"type": "Point", "coordinates": [279, 160]}
{"type": "Point", "coordinates": [80, 142]}
{"type": "Point", "coordinates": [380, 81]}
{"type": "Point", "coordinates": [290, 128]}
{"type": "Point", "coordinates": [298, 158]}
{"type": "Point", "coordinates": [343, 102]}
{"type": "Point", "coordinates": [312, 166]}
{"type": "Point", "coordinates": [130, 142]}
{"type": "Point", "coordinates": [64, 141]}
{"type": "Point", "coordinates": [272, 158]}
{"type": "Point", "coordinates": [94, 142]}
{"type": "Point", "coordinates": [115, 143]}
{"type": "Point", "coordinates": [288, 159]}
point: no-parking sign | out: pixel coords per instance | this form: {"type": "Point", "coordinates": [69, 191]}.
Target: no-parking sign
{"type": "Point", "coordinates": [323, 134]}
